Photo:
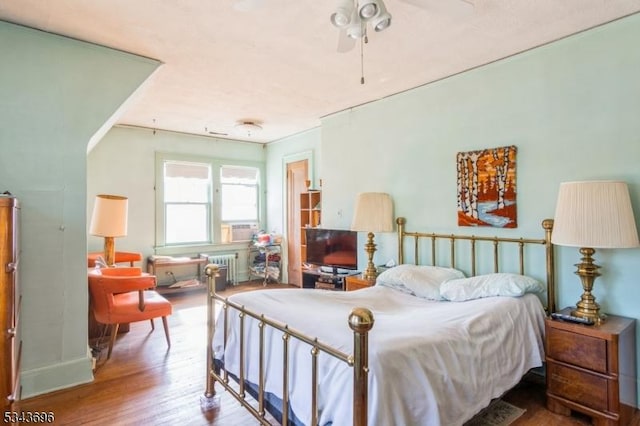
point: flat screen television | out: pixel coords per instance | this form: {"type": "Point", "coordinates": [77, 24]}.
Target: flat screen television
{"type": "Point", "coordinates": [332, 248]}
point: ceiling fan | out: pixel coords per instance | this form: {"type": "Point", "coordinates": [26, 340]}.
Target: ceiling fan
{"type": "Point", "coordinates": [352, 17]}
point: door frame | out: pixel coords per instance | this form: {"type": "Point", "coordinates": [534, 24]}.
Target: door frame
{"type": "Point", "coordinates": [292, 158]}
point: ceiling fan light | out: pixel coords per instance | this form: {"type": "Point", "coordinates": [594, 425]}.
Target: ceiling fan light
{"type": "Point", "coordinates": [383, 20]}
{"type": "Point", "coordinates": [342, 16]}
{"type": "Point", "coordinates": [367, 9]}
{"type": "Point", "coordinates": [354, 30]}
{"type": "Point", "coordinates": [246, 128]}
{"type": "Point", "coordinates": [339, 19]}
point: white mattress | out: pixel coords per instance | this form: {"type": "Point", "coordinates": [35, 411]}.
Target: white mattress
{"type": "Point", "coordinates": [431, 363]}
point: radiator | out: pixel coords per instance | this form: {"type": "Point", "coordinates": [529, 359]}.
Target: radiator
{"type": "Point", "coordinates": [230, 261]}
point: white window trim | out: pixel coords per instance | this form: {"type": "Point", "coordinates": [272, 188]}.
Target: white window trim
{"type": "Point", "coordinates": [216, 223]}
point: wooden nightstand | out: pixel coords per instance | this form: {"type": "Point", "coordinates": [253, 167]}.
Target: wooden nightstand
{"type": "Point", "coordinates": [356, 282]}
{"type": "Point", "coordinates": [592, 369]}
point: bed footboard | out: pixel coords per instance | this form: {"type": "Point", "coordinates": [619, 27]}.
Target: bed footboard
{"type": "Point", "coordinates": [360, 321]}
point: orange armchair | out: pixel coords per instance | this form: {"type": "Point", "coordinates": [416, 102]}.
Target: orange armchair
{"type": "Point", "coordinates": [121, 257]}
{"type": "Point", "coordinates": [124, 295]}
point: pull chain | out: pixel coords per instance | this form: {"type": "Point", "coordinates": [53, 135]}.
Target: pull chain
{"type": "Point", "coordinates": [363, 41]}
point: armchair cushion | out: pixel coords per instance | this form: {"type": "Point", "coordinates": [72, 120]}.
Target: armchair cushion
{"type": "Point", "coordinates": [126, 307]}
{"type": "Point", "coordinates": [131, 271]}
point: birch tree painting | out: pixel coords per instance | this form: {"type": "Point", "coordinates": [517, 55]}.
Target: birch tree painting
{"type": "Point", "coordinates": [487, 187]}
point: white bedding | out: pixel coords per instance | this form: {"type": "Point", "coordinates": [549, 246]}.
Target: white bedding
{"type": "Point", "coordinates": [431, 363]}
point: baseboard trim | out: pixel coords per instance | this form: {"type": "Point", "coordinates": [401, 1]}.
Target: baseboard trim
{"type": "Point", "coordinates": [55, 377]}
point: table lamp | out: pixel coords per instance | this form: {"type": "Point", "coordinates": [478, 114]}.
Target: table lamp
{"type": "Point", "coordinates": [109, 220]}
{"type": "Point", "coordinates": [373, 213]}
{"type": "Point", "coordinates": [590, 215]}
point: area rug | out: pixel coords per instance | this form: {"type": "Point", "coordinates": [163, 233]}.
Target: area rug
{"type": "Point", "coordinates": [498, 413]}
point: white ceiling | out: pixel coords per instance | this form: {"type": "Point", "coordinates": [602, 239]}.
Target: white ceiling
{"type": "Point", "coordinates": [276, 62]}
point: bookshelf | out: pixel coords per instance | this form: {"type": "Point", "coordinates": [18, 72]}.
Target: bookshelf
{"type": "Point", "coordinates": [310, 217]}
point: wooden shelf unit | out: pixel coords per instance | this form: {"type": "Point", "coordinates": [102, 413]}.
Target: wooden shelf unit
{"type": "Point", "coordinates": [310, 217]}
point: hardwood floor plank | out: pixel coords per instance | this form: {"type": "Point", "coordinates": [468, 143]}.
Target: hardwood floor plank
{"type": "Point", "coordinates": [145, 383]}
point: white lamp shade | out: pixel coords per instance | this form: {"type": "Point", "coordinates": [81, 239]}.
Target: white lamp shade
{"type": "Point", "coordinates": [594, 214]}
{"type": "Point", "coordinates": [109, 218]}
{"type": "Point", "coordinates": [373, 212]}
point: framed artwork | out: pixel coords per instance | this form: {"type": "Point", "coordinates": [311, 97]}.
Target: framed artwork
{"type": "Point", "coordinates": [487, 187]}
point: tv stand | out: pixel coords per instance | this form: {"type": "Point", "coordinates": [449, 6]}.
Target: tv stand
{"type": "Point", "coordinates": [317, 278]}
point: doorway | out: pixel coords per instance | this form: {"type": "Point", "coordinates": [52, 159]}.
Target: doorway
{"type": "Point", "coordinates": [297, 175]}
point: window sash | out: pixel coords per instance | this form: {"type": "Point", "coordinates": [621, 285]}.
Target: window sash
{"type": "Point", "coordinates": [239, 202]}
{"type": "Point", "coordinates": [187, 223]}
{"type": "Point", "coordinates": [241, 174]}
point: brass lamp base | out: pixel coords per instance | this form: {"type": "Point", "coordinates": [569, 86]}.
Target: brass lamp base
{"type": "Point", "coordinates": [370, 273]}
{"type": "Point", "coordinates": [587, 307]}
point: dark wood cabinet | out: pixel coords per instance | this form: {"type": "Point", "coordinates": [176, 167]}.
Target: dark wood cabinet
{"type": "Point", "coordinates": [592, 369]}
{"type": "Point", "coordinates": [10, 345]}
{"type": "Point", "coordinates": [314, 278]}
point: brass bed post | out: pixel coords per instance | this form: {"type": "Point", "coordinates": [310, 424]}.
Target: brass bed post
{"type": "Point", "coordinates": [452, 242]}
{"type": "Point", "coordinates": [521, 255]}
{"type": "Point", "coordinates": [433, 250]}
{"type": "Point", "coordinates": [473, 256]}
{"type": "Point", "coordinates": [285, 376]}
{"type": "Point", "coordinates": [261, 368]}
{"type": "Point", "coordinates": [547, 224]}
{"type": "Point", "coordinates": [400, 221]}
{"type": "Point", "coordinates": [210, 400]}
{"type": "Point", "coordinates": [361, 321]}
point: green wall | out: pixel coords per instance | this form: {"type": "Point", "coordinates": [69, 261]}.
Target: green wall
{"type": "Point", "coordinates": [571, 107]}
{"type": "Point", "coordinates": [123, 163]}
{"type": "Point", "coordinates": [55, 95]}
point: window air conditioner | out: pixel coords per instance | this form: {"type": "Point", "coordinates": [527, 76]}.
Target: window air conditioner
{"type": "Point", "coordinates": [243, 231]}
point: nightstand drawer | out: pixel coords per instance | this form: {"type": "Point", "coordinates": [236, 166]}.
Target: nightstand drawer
{"type": "Point", "coordinates": [583, 388]}
{"type": "Point", "coordinates": [577, 349]}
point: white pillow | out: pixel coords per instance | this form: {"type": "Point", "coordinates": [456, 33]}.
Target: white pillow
{"type": "Point", "coordinates": [499, 284]}
{"type": "Point", "coordinates": [421, 281]}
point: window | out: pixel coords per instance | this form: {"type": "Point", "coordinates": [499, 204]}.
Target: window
{"type": "Point", "coordinates": [202, 201]}
{"type": "Point", "coordinates": [239, 190]}
{"type": "Point", "coordinates": [187, 212]}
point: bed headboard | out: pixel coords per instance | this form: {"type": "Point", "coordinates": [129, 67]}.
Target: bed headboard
{"type": "Point", "coordinates": [498, 244]}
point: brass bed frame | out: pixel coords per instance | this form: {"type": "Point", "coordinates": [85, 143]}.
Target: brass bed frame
{"type": "Point", "coordinates": [360, 320]}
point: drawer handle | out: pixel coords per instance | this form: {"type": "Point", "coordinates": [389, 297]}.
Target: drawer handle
{"type": "Point", "coordinates": [11, 332]}
{"type": "Point", "coordinates": [559, 378]}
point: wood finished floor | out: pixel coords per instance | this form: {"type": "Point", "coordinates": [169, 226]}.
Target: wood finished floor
{"type": "Point", "coordinates": [145, 384]}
